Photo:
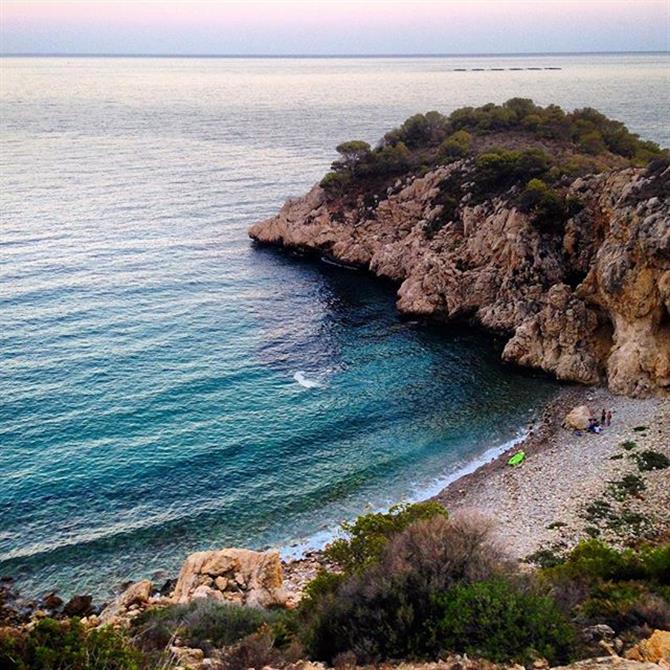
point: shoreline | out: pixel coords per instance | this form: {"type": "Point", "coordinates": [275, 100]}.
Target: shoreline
{"type": "Point", "coordinates": [542, 505]}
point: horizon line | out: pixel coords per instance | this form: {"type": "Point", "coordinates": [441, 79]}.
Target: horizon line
{"type": "Point", "coordinates": [37, 54]}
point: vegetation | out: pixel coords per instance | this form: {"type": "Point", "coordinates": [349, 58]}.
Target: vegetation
{"type": "Point", "coordinates": [367, 537]}
{"type": "Point", "coordinates": [202, 623]}
{"type": "Point", "coordinates": [408, 584]}
{"type": "Point", "coordinates": [589, 139]}
{"type": "Point", "coordinates": [518, 148]}
{"type": "Point", "coordinates": [651, 460]}
{"type": "Point", "coordinates": [626, 589]}
{"type": "Point", "coordinates": [53, 645]}
{"type": "Point", "coordinates": [628, 485]}
{"type": "Point", "coordinates": [457, 145]}
{"type": "Point", "coordinates": [498, 620]}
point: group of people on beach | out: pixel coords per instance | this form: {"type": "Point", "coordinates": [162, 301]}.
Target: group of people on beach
{"type": "Point", "coordinates": [596, 426]}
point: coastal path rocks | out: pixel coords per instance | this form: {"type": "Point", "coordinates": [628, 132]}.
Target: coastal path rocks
{"type": "Point", "coordinates": [241, 576]}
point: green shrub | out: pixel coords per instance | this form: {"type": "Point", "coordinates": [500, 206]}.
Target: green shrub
{"type": "Point", "coordinates": [457, 145]}
{"type": "Point", "coordinates": [592, 142]}
{"type": "Point", "coordinates": [623, 605]}
{"type": "Point", "coordinates": [547, 206]}
{"type": "Point", "coordinates": [651, 460]}
{"type": "Point", "coordinates": [596, 562]}
{"type": "Point", "coordinates": [368, 535]}
{"type": "Point", "coordinates": [390, 159]}
{"type": "Point", "coordinates": [54, 645]}
{"type": "Point", "coordinates": [628, 485]}
{"type": "Point", "coordinates": [420, 130]}
{"type": "Point", "coordinates": [499, 621]}
{"type": "Point", "coordinates": [544, 558]}
{"type": "Point", "coordinates": [388, 610]}
{"type": "Point", "coordinates": [202, 623]}
{"type": "Point", "coordinates": [335, 182]}
{"type": "Point", "coordinates": [498, 169]}
{"type": "Point", "coordinates": [628, 445]}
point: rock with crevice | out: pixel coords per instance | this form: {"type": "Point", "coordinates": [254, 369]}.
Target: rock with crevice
{"type": "Point", "coordinates": [239, 576]}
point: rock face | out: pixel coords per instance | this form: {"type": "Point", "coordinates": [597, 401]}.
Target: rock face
{"type": "Point", "coordinates": [588, 303]}
{"type": "Point", "coordinates": [237, 575]}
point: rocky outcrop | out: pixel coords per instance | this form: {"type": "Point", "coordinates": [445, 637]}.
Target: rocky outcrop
{"type": "Point", "coordinates": [655, 649]}
{"type": "Point", "coordinates": [136, 594]}
{"type": "Point", "coordinates": [588, 302]}
{"type": "Point", "coordinates": [235, 575]}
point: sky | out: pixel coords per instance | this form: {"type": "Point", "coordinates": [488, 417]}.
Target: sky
{"type": "Point", "coordinates": [322, 27]}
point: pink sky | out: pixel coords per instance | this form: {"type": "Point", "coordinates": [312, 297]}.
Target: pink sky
{"type": "Point", "coordinates": [367, 26]}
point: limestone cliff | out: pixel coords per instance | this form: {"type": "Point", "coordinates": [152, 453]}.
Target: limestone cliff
{"type": "Point", "coordinates": [590, 303]}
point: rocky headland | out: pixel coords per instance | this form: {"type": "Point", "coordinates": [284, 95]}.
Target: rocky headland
{"type": "Point", "coordinates": [526, 228]}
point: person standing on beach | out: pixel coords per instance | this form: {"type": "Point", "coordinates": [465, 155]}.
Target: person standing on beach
{"type": "Point", "coordinates": [603, 418]}
{"type": "Point", "coordinates": [609, 418]}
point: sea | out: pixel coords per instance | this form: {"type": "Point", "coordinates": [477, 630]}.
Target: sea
{"type": "Point", "coordinates": [167, 387]}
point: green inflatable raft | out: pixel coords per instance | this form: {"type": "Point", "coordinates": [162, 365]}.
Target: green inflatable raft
{"type": "Point", "coordinates": [517, 459]}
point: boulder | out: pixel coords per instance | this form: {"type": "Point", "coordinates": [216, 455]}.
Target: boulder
{"type": "Point", "coordinates": [79, 605]}
{"type": "Point", "coordinates": [236, 575]}
{"type": "Point", "coordinates": [598, 632]}
{"type": "Point", "coordinates": [188, 658]}
{"type": "Point", "coordinates": [136, 594]}
{"type": "Point", "coordinates": [578, 418]}
{"type": "Point", "coordinates": [654, 649]}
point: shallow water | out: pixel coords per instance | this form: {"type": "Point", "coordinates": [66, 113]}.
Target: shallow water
{"type": "Point", "coordinates": [149, 354]}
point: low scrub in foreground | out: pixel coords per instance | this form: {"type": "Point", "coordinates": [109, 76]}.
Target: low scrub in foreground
{"type": "Point", "coordinates": [56, 645]}
{"type": "Point", "coordinates": [409, 584]}
{"type": "Point", "coordinates": [438, 586]}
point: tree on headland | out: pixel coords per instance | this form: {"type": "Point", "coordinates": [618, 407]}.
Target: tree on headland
{"type": "Point", "coordinates": [352, 153]}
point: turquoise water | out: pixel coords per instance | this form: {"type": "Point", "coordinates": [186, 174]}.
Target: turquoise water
{"type": "Point", "coordinates": [148, 350]}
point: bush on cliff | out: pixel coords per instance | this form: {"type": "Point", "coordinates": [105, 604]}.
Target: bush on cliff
{"type": "Point", "coordinates": [627, 589]}
{"type": "Point", "coordinates": [547, 206]}
{"type": "Point", "coordinates": [500, 168]}
{"type": "Point", "coordinates": [501, 621]}
{"type": "Point", "coordinates": [53, 645]}
{"type": "Point", "coordinates": [205, 624]}
{"type": "Point", "coordinates": [457, 145]}
{"type": "Point", "coordinates": [587, 141]}
{"type": "Point", "coordinates": [367, 537]}
{"type": "Point", "coordinates": [420, 130]}
{"type": "Point", "coordinates": [399, 607]}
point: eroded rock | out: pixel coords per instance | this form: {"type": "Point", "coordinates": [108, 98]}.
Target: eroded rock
{"type": "Point", "coordinates": [136, 594]}
{"type": "Point", "coordinates": [235, 575]}
{"type": "Point", "coordinates": [654, 649]}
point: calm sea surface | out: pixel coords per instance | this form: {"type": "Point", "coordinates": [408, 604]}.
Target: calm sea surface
{"type": "Point", "coordinates": [148, 406]}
